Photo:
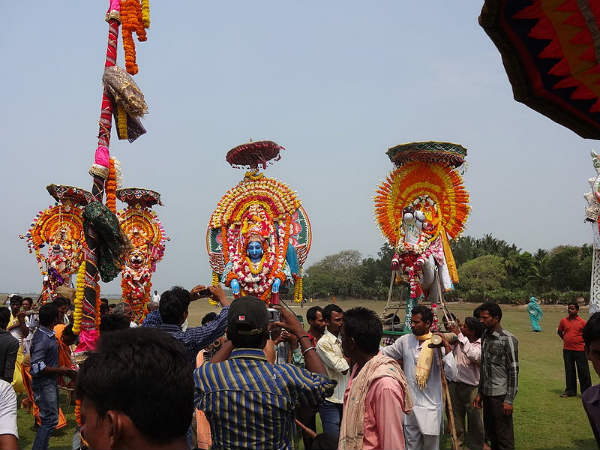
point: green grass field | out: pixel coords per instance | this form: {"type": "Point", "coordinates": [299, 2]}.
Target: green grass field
{"type": "Point", "coordinates": [543, 420]}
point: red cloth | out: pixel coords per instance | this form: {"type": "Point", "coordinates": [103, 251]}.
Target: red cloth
{"type": "Point", "coordinates": [572, 333]}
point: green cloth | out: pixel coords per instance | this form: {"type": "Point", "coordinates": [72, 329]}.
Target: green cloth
{"type": "Point", "coordinates": [111, 244]}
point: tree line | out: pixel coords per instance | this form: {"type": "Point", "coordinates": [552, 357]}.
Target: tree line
{"type": "Point", "coordinates": [489, 269]}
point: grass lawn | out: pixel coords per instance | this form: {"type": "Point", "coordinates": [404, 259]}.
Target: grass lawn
{"type": "Point", "coordinates": [543, 420]}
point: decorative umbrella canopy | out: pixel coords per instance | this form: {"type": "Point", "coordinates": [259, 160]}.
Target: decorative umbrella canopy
{"type": "Point", "coordinates": [551, 53]}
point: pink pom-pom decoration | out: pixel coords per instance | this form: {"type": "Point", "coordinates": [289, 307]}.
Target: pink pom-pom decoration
{"type": "Point", "coordinates": [102, 156]}
{"type": "Point", "coordinates": [115, 5]}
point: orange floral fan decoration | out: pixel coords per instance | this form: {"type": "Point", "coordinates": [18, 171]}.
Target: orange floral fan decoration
{"type": "Point", "coordinates": [416, 179]}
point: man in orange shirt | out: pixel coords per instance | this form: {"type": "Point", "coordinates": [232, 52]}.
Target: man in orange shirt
{"type": "Point", "coordinates": [570, 330]}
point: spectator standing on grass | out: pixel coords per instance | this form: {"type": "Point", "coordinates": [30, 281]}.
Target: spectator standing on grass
{"type": "Point", "coordinates": [173, 312]}
{"type": "Point", "coordinates": [420, 365]}
{"type": "Point", "coordinates": [136, 392]}
{"type": "Point", "coordinates": [499, 378]}
{"type": "Point", "coordinates": [535, 314]}
{"type": "Point", "coordinates": [31, 322]}
{"type": "Point", "coordinates": [463, 389]}
{"type": "Point", "coordinates": [239, 386]}
{"type": "Point", "coordinates": [570, 330]}
{"type": "Point", "coordinates": [591, 396]}
{"type": "Point", "coordinates": [329, 349]}
{"type": "Point", "coordinates": [18, 329]}
{"type": "Point", "coordinates": [9, 347]}
{"type": "Point", "coordinates": [44, 370]}
{"type": "Point", "coordinates": [377, 396]}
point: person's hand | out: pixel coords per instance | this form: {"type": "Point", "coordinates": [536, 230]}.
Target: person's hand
{"type": "Point", "coordinates": [218, 294]}
{"type": "Point", "coordinates": [445, 342]}
{"type": "Point", "coordinates": [453, 328]}
{"type": "Point", "coordinates": [21, 316]}
{"type": "Point", "coordinates": [197, 292]}
{"type": "Point", "coordinates": [477, 403]}
{"type": "Point", "coordinates": [507, 409]}
{"type": "Point", "coordinates": [289, 321]}
{"type": "Point", "coordinates": [68, 371]}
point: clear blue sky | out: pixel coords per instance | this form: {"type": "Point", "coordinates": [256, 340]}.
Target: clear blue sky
{"type": "Point", "coordinates": [335, 82]}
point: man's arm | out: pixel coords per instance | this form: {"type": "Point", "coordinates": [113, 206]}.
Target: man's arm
{"type": "Point", "coordinates": [327, 354]}
{"type": "Point", "coordinates": [471, 349]}
{"type": "Point", "coordinates": [395, 350]}
{"type": "Point", "coordinates": [39, 348]}
{"type": "Point", "coordinates": [561, 329]}
{"type": "Point", "coordinates": [11, 357]}
{"type": "Point", "coordinates": [512, 369]}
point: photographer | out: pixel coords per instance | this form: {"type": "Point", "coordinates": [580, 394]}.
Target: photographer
{"type": "Point", "coordinates": [265, 405]}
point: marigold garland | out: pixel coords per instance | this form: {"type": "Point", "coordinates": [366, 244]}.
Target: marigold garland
{"type": "Point", "coordinates": [146, 13]}
{"type": "Point", "coordinates": [111, 188]}
{"type": "Point", "coordinates": [132, 20]}
{"type": "Point", "coordinates": [98, 306]}
{"type": "Point", "coordinates": [78, 412]}
{"type": "Point", "coordinates": [298, 294]}
{"type": "Point", "coordinates": [122, 123]}
{"type": "Point", "coordinates": [78, 313]}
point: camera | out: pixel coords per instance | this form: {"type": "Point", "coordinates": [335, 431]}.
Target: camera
{"type": "Point", "coordinates": [203, 293]}
{"type": "Point", "coordinates": [274, 315]}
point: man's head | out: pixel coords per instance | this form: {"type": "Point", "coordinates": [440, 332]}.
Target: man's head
{"type": "Point", "coordinates": [124, 309]}
{"type": "Point", "coordinates": [315, 319]}
{"type": "Point", "coordinates": [68, 337]}
{"type": "Point", "coordinates": [573, 309]}
{"type": "Point", "coordinates": [15, 304]}
{"type": "Point", "coordinates": [4, 317]}
{"type": "Point", "coordinates": [48, 315]}
{"type": "Point", "coordinates": [361, 333]}
{"type": "Point", "coordinates": [591, 338]}
{"type": "Point", "coordinates": [209, 317]}
{"type": "Point", "coordinates": [113, 322]}
{"type": "Point", "coordinates": [334, 318]}
{"type": "Point", "coordinates": [490, 315]}
{"type": "Point", "coordinates": [472, 329]}
{"type": "Point", "coordinates": [174, 305]}
{"type": "Point", "coordinates": [62, 305]}
{"type": "Point", "coordinates": [247, 323]}
{"type": "Point", "coordinates": [421, 320]}
{"type": "Point", "coordinates": [131, 373]}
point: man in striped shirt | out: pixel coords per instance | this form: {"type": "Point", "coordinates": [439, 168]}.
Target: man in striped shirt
{"type": "Point", "coordinates": [499, 378]}
{"type": "Point", "coordinates": [249, 402]}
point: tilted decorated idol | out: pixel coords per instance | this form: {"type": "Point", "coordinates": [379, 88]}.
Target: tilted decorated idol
{"type": "Point", "coordinates": [419, 208]}
{"type": "Point", "coordinates": [592, 214]}
{"type": "Point", "coordinates": [259, 235]}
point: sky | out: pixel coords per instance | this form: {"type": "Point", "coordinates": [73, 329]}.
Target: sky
{"type": "Point", "coordinates": [336, 83]}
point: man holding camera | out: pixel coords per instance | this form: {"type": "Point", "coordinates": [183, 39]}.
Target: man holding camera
{"type": "Point", "coordinates": [173, 312]}
{"type": "Point", "coordinates": [239, 386]}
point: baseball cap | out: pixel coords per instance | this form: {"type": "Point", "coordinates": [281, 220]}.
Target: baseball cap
{"type": "Point", "coordinates": [248, 315]}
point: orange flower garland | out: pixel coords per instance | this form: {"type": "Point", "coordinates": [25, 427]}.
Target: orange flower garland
{"type": "Point", "coordinates": [224, 244]}
{"type": "Point", "coordinates": [133, 22]}
{"type": "Point", "coordinates": [111, 187]}
{"type": "Point", "coordinates": [78, 412]}
{"type": "Point", "coordinates": [97, 306]}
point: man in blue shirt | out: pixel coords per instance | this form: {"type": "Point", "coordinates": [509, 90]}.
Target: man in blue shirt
{"type": "Point", "coordinates": [248, 401]}
{"type": "Point", "coordinates": [44, 369]}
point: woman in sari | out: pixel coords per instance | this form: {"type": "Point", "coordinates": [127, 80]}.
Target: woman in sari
{"type": "Point", "coordinates": [535, 314]}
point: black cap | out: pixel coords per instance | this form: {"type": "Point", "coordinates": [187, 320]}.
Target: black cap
{"type": "Point", "coordinates": [248, 315]}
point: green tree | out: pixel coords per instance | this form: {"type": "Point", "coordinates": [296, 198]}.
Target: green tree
{"type": "Point", "coordinates": [482, 274]}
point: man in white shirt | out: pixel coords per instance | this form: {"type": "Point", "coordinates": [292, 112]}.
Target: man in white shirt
{"type": "Point", "coordinates": [9, 433]}
{"type": "Point", "coordinates": [419, 363]}
{"type": "Point", "coordinates": [463, 390]}
{"type": "Point", "coordinates": [329, 349]}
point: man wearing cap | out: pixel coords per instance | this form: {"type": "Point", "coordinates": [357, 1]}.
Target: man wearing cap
{"type": "Point", "coordinates": [239, 386]}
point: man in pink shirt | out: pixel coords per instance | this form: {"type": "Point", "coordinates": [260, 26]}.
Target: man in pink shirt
{"type": "Point", "coordinates": [463, 389]}
{"type": "Point", "coordinates": [377, 395]}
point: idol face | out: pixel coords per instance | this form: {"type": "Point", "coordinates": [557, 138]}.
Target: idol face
{"type": "Point", "coordinates": [254, 251]}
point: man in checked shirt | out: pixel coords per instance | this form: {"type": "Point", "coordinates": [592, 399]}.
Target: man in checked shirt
{"type": "Point", "coordinates": [499, 378]}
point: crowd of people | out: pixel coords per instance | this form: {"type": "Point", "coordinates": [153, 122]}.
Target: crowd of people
{"type": "Point", "coordinates": [249, 378]}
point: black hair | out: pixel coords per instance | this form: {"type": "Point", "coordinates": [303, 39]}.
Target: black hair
{"type": "Point", "coordinates": [4, 317]}
{"type": "Point", "coordinates": [138, 370]}
{"type": "Point", "coordinates": [246, 340]}
{"type": "Point", "coordinates": [103, 309]}
{"type": "Point", "coordinates": [113, 322]}
{"type": "Point", "coordinates": [311, 314]}
{"type": "Point", "coordinates": [591, 330]}
{"type": "Point", "coordinates": [476, 312]}
{"type": "Point", "coordinates": [16, 300]}
{"type": "Point", "coordinates": [28, 299]}
{"type": "Point", "coordinates": [48, 314]}
{"type": "Point", "coordinates": [493, 309]}
{"type": "Point", "coordinates": [365, 328]}
{"type": "Point", "coordinates": [209, 317]}
{"type": "Point", "coordinates": [426, 313]}
{"type": "Point", "coordinates": [173, 304]}
{"type": "Point", "coordinates": [574, 303]}
{"type": "Point", "coordinates": [475, 326]}
{"type": "Point", "coordinates": [324, 441]}
{"type": "Point", "coordinates": [104, 301]}
{"type": "Point", "coordinates": [329, 309]}
{"type": "Point", "coordinates": [61, 301]}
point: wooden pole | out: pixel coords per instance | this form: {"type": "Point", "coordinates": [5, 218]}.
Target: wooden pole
{"type": "Point", "coordinates": [446, 394]}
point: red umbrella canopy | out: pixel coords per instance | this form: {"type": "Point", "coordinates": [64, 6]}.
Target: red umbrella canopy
{"type": "Point", "coordinates": [551, 53]}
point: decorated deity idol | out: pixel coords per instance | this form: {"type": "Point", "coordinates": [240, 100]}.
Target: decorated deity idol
{"type": "Point", "coordinates": [419, 208]}
{"type": "Point", "coordinates": [592, 215]}
{"type": "Point", "coordinates": [147, 237]}
{"type": "Point", "coordinates": [59, 229]}
{"type": "Point", "coordinates": [259, 235]}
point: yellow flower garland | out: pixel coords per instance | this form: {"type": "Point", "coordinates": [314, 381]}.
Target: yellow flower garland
{"type": "Point", "coordinates": [78, 313]}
